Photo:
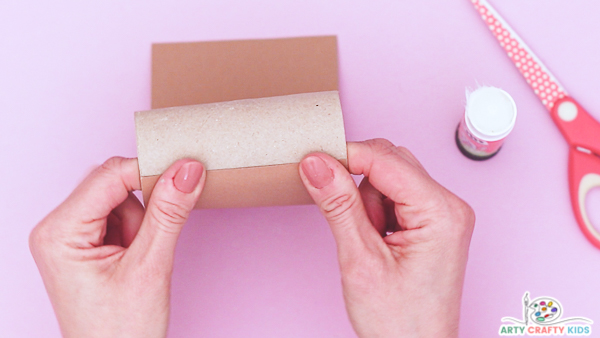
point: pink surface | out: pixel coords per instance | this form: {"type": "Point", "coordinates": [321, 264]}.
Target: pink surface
{"type": "Point", "coordinates": [73, 73]}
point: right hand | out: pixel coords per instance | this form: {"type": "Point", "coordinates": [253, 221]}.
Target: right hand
{"type": "Point", "coordinates": [408, 283]}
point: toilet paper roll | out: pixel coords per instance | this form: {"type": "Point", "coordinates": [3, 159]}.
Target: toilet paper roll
{"type": "Point", "coordinates": [251, 148]}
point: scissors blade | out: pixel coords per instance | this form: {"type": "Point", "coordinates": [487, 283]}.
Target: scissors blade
{"type": "Point", "coordinates": [544, 84]}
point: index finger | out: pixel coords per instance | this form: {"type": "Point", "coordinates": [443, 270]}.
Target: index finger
{"type": "Point", "coordinates": [102, 191]}
{"type": "Point", "coordinates": [392, 171]}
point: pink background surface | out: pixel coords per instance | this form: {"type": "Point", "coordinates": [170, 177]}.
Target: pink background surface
{"type": "Point", "coordinates": [72, 73]}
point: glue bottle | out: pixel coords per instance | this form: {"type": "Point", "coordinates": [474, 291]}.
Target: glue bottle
{"type": "Point", "coordinates": [490, 115]}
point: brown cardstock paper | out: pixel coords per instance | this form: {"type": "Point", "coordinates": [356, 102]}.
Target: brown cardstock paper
{"type": "Point", "coordinates": [250, 110]}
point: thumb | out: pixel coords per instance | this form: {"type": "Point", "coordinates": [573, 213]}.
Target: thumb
{"type": "Point", "coordinates": [335, 193]}
{"type": "Point", "coordinates": [174, 196]}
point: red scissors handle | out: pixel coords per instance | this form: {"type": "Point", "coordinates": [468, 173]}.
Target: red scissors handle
{"type": "Point", "coordinates": [578, 127]}
{"type": "Point", "coordinates": [581, 181]}
{"type": "Point", "coordinates": [582, 132]}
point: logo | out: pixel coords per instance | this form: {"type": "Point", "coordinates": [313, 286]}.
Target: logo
{"type": "Point", "coordinates": [543, 316]}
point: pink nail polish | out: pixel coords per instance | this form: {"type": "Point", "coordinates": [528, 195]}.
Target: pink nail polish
{"type": "Point", "coordinates": [188, 176]}
{"type": "Point", "coordinates": [317, 172]}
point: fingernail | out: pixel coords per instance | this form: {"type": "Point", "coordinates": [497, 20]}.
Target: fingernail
{"type": "Point", "coordinates": [318, 173]}
{"type": "Point", "coordinates": [188, 176]}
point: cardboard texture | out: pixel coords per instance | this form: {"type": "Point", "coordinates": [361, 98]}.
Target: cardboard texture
{"type": "Point", "coordinates": [251, 146]}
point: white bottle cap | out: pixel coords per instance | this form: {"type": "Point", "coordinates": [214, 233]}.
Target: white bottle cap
{"type": "Point", "coordinates": [490, 113]}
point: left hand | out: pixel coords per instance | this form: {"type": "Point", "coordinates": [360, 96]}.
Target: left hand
{"type": "Point", "coordinates": [106, 263]}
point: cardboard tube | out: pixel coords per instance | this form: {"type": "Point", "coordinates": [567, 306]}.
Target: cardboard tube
{"type": "Point", "coordinates": [250, 148]}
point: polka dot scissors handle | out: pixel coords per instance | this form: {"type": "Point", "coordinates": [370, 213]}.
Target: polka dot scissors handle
{"type": "Point", "coordinates": [580, 129]}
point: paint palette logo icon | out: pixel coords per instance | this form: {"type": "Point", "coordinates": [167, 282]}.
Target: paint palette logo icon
{"type": "Point", "coordinates": [543, 316]}
{"type": "Point", "coordinates": [546, 310]}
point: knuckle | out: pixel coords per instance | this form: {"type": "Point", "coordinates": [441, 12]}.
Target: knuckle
{"type": "Point", "coordinates": [38, 237]}
{"type": "Point", "coordinates": [111, 165]}
{"type": "Point", "coordinates": [338, 208]}
{"type": "Point", "coordinates": [386, 148]}
{"type": "Point", "coordinates": [411, 158]}
{"type": "Point", "coordinates": [381, 144]}
{"type": "Point", "coordinates": [169, 216]}
{"type": "Point", "coordinates": [34, 240]}
{"type": "Point", "coordinates": [463, 214]}
{"type": "Point", "coordinates": [468, 214]}
{"type": "Point", "coordinates": [405, 151]}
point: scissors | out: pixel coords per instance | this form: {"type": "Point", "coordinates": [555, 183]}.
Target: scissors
{"type": "Point", "coordinates": [580, 130]}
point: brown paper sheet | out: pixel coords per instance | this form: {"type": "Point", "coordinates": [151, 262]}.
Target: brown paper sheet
{"type": "Point", "coordinates": [205, 72]}
{"type": "Point", "coordinates": [218, 71]}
